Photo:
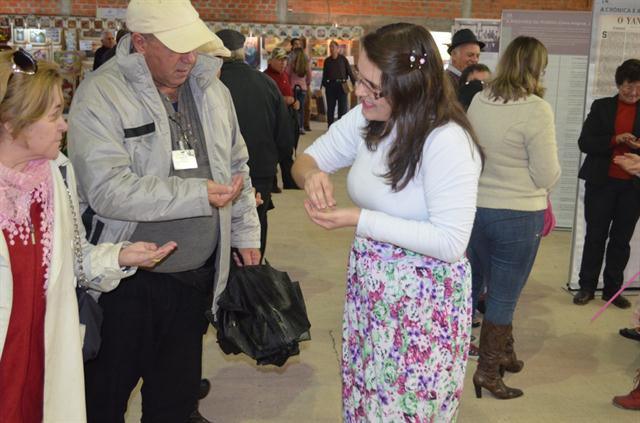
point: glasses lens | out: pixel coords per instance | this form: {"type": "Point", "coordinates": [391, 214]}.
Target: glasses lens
{"type": "Point", "coordinates": [24, 62]}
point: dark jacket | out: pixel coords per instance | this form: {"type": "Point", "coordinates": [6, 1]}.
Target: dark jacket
{"type": "Point", "coordinates": [106, 56]}
{"type": "Point", "coordinates": [595, 139]}
{"type": "Point", "coordinates": [101, 56]}
{"type": "Point", "coordinates": [455, 80]}
{"type": "Point", "coordinates": [262, 116]}
{"type": "Point", "coordinates": [337, 69]}
{"type": "Point", "coordinates": [467, 91]}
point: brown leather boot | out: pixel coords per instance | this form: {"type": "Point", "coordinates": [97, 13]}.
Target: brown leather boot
{"type": "Point", "coordinates": [493, 340]}
{"type": "Point", "coordinates": [631, 401]}
{"type": "Point", "coordinates": [509, 360]}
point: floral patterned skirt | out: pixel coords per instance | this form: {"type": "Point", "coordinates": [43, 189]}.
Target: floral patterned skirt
{"type": "Point", "coordinates": [406, 329]}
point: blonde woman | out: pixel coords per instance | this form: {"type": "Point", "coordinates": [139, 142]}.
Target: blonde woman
{"type": "Point", "coordinates": [516, 132]}
{"type": "Point", "coordinates": [42, 251]}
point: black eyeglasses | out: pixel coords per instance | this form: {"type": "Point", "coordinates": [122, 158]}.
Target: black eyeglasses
{"type": "Point", "coordinates": [375, 92]}
{"type": "Point", "coordinates": [23, 62]}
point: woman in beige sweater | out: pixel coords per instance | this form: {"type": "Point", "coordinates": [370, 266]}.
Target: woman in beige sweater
{"type": "Point", "coordinates": [516, 132]}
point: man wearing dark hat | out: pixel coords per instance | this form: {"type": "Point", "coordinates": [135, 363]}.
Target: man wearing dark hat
{"type": "Point", "coordinates": [464, 51]}
{"type": "Point", "coordinates": [263, 119]}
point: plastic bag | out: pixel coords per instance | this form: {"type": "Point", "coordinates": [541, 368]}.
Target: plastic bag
{"type": "Point", "coordinates": [549, 219]}
{"type": "Point", "coordinates": [262, 314]}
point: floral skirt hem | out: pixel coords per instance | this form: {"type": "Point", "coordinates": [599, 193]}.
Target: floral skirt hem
{"type": "Point", "coordinates": [406, 329]}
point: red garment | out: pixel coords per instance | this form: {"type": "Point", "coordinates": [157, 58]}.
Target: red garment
{"type": "Point", "coordinates": [282, 79]}
{"type": "Point", "coordinates": [22, 361]}
{"type": "Point", "coordinates": [625, 118]}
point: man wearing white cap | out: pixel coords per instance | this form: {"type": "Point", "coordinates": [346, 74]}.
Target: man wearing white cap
{"type": "Point", "coordinates": [159, 155]}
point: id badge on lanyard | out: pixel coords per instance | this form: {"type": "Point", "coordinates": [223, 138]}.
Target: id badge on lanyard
{"type": "Point", "coordinates": [185, 157]}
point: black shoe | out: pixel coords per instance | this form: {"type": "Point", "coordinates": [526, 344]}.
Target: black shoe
{"type": "Point", "coordinates": [196, 417]}
{"type": "Point", "coordinates": [630, 333]}
{"type": "Point", "coordinates": [582, 297]}
{"type": "Point", "coordinates": [476, 322]}
{"type": "Point", "coordinates": [290, 186]}
{"type": "Point", "coordinates": [482, 306]}
{"type": "Point", "coordinates": [205, 387]}
{"type": "Point", "coordinates": [276, 190]}
{"type": "Point", "coordinates": [620, 301]}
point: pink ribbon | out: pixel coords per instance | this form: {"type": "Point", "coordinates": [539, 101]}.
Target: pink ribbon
{"type": "Point", "coordinates": [625, 286]}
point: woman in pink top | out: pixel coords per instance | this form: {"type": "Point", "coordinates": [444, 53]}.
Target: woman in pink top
{"type": "Point", "coordinates": [299, 71]}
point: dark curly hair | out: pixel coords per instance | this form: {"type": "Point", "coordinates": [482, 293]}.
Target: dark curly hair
{"type": "Point", "coordinates": [476, 67]}
{"type": "Point", "coordinates": [628, 71]}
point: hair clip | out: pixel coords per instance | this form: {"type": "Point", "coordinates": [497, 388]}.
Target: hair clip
{"type": "Point", "coordinates": [414, 57]}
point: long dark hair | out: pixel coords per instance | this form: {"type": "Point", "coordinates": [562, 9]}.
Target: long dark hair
{"type": "Point", "coordinates": [421, 96]}
{"type": "Point", "coordinates": [300, 64]}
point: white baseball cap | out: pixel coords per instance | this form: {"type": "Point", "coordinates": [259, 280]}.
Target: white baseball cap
{"type": "Point", "coordinates": [176, 23]}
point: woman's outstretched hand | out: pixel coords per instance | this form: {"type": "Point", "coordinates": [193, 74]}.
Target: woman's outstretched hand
{"type": "Point", "coordinates": [332, 218]}
{"type": "Point", "coordinates": [144, 254]}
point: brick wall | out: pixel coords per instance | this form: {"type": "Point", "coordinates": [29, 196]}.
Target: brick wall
{"type": "Point", "coordinates": [41, 7]}
{"type": "Point", "coordinates": [311, 11]}
{"type": "Point", "coordinates": [493, 8]}
{"type": "Point", "coordinates": [410, 8]}
{"type": "Point", "coordinates": [88, 7]}
{"type": "Point", "coordinates": [237, 10]}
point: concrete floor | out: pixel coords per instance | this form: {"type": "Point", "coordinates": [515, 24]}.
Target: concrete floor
{"type": "Point", "coordinates": [573, 367]}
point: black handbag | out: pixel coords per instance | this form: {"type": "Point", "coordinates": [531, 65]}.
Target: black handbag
{"type": "Point", "coordinates": [89, 311]}
{"type": "Point", "coordinates": [262, 314]}
{"type": "Point", "coordinates": [90, 314]}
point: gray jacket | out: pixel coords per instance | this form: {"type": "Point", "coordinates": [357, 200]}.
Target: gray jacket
{"type": "Point", "coordinates": [120, 146]}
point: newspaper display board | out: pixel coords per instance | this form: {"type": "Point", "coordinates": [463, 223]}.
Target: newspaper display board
{"type": "Point", "coordinates": [566, 35]}
{"type": "Point", "coordinates": [615, 38]}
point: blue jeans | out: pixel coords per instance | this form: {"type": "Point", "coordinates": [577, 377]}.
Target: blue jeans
{"type": "Point", "coordinates": [300, 95]}
{"type": "Point", "coordinates": [502, 249]}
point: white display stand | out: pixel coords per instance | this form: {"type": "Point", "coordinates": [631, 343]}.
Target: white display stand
{"type": "Point", "coordinates": [615, 38]}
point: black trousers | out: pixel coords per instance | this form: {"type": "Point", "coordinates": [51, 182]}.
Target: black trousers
{"type": "Point", "coordinates": [335, 94]}
{"type": "Point", "coordinates": [264, 187]}
{"type": "Point", "coordinates": [153, 327]}
{"type": "Point", "coordinates": [287, 162]}
{"type": "Point", "coordinates": [611, 212]}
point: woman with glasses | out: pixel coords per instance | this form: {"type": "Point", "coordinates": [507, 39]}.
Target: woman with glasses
{"type": "Point", "coordinates": [611, 203]}
{"type": "Point", "coordinates": [43, 252]}
{"type": "Point", "coordinates": [413, 177]}
{"type": "Point", "coordinates": [516, 132]}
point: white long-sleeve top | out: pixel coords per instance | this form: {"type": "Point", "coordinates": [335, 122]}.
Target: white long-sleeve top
{"type": "Point", "coordinates": [433, 215]}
